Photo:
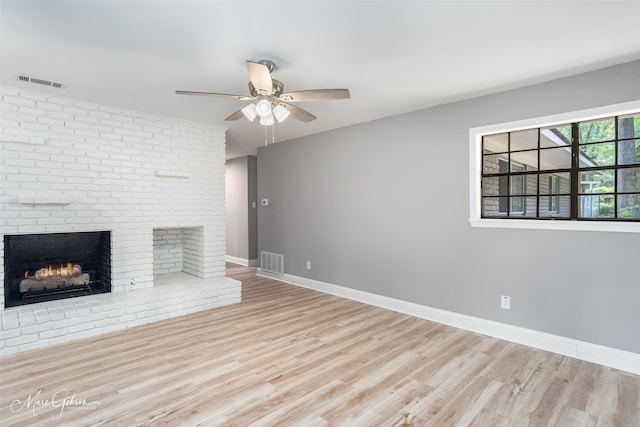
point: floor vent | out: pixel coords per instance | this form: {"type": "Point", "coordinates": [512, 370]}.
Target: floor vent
{"type": "Point", "coordinates": [272, 263]}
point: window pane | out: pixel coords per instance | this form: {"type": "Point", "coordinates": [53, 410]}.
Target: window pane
{"type": "Point", "coordinates": [555, 158]}
{"type": "Point", "coordinates": [629, 152]}
{"type": "Point", "coordinates": [596, 206]}
{"type": "Point", "coordinates": [598, 154]}
{"type": "Point", "coordinates": [531, 206]}
{"type": "Point", "coordinates": [517, 206]}
{"type": "Point", "coordinates": [555, 206]}
{"type": "Point", "coordinates": [503, 186]}
{"type": "Point", "coordinates": [491, 186]}
{"type": "Point", "coordinates": [491, 163]}
{"type": "Point", "coordinates": [531, 184]}
{"type": "Point", "coordinates": [597, 130]}
{"type": "Point", "coordinates": [629, 206]}
{"type": "Point", "coordinates": [503, 166]}
{"type": "Point", "coordinates": [600, 181]}
{"type": "Point", "coordinates": [528, 159]}
{"type": "Point", "coordinates": [494, 206]}
{"type": "Point", "coordinates": [517, 185]}
{"type": "Point", "coordinates": [629, 180]}
{"type": "Point", "coordinates": [524, 139]}
{"type": "Point", "coordinates": [517, 167]}
{"type": "Point", "coordinates": [496, 143]}
{"type": "Point", "coordinates": [629, 126]}
{"type": "Point", "coordinates": [523, 206]}
{"type": "Point", "coordinates": [555, 136]}
{"type": "Point", "coordinates": [561, 183]}
{"type": "Point", "coordinates": [523, 185]}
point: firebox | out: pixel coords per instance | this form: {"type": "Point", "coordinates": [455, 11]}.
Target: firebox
{"type": "Point", "coordinates": [46, 267]}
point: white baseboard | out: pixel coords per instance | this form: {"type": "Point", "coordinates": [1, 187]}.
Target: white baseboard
{"type": "Point", "coordinates": [242, 261]}
{"type": "Point", "coordinates": [606, 356]}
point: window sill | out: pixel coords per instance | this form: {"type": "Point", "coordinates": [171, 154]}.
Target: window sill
{"type": "Point", "coordinates": [608, 226]}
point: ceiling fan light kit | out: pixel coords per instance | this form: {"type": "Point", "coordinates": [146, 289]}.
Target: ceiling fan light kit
{"type": "Point", "coordinates": [267, 121]}
{"type": "Point", "coordinates": [263, 107]}
{"type": "Point", "coordinates": [250, 112]}
{"type": "Point", "coordinates": [280, 113]}
{"type": "Point", "coordinates": [272, 102]}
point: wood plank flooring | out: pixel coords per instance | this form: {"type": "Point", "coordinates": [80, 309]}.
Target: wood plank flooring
{"type": "Point", "coordinates": [290, 356]}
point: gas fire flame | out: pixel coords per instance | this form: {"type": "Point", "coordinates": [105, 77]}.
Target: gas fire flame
{"type": "Point", "coordinates": [61, 271]}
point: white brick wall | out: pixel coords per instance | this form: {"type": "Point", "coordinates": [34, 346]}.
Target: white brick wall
{"type": "Point", "coordinates": [167, 250]}
{"type": "Point", "coordinates": [67, 165]}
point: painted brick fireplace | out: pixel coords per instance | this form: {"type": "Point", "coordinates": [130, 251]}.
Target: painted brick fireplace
{"type": "Point", "coordinates": [155, 184]}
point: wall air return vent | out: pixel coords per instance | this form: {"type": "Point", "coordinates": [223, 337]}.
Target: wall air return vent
{"type": "Point", "coordinates": [30, 79]}
{"type": "Point", "coordinates": [271, 262]}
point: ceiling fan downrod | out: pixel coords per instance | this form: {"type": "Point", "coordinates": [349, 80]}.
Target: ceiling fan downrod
{"type": "Point", "coordinates": [269, 64]}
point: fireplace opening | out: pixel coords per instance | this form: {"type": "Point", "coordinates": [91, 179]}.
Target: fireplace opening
{"type": "Point", "coordinates": [46, 267]}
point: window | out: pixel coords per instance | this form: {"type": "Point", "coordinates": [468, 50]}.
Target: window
{"type": "Point", "coordinates": [575, 168]}
{"type": "Point", "coordinates": [606, 171]}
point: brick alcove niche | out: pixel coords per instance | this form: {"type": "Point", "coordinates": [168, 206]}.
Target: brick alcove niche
{"type": "Point", "coordinates": [177, 254]}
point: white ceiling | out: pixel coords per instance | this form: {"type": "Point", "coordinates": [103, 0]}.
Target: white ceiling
{"type": "Point", "coordinates": [394, 56]}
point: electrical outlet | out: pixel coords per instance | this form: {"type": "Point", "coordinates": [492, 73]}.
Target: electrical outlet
{"type": "Point", "coordinates": [505, 302]}
{"type": "Point", "coordinates": [308, 265]}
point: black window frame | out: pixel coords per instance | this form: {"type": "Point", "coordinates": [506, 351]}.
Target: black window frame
{"type": "Point", "coordinates": [576, 195]}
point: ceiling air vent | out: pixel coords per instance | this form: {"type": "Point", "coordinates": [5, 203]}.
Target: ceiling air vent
{"type": "Point", "coordinates": [24, 78]}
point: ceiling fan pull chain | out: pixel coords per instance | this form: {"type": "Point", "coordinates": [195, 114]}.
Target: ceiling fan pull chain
{"type": "Point", "coordinates": [265, 135]}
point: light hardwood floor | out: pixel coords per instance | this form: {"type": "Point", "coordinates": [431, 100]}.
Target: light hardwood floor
{"type": "Point", "coordinates": [292, 356]}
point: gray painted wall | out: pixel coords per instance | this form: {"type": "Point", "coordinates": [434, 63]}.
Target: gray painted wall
{"type": "Point", "coordinates": [241, 213]}
{"type": "Point", "coordinates": [252, 206]}
{"type": "Point", "coordinates": [382, 207]}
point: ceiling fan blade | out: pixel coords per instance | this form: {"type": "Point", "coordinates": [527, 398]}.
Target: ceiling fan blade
{"type": "Point", "coordinates": [315, 95]}
{"type": "Point", "coordinates": [221, 95]}
{"type": "Point", "coordinates": [298, 113]}
{"type": "Point", "coordinates": [260, 76]}
{"type": "Point", "coordinates": [235, 116]}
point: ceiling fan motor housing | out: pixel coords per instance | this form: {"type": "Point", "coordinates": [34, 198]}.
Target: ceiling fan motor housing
{"type": "Point", "coordinates": [278, 88]}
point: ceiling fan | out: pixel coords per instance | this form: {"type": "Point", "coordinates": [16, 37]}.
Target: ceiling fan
{"type": "Point", "coordinates": [270, 102]}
